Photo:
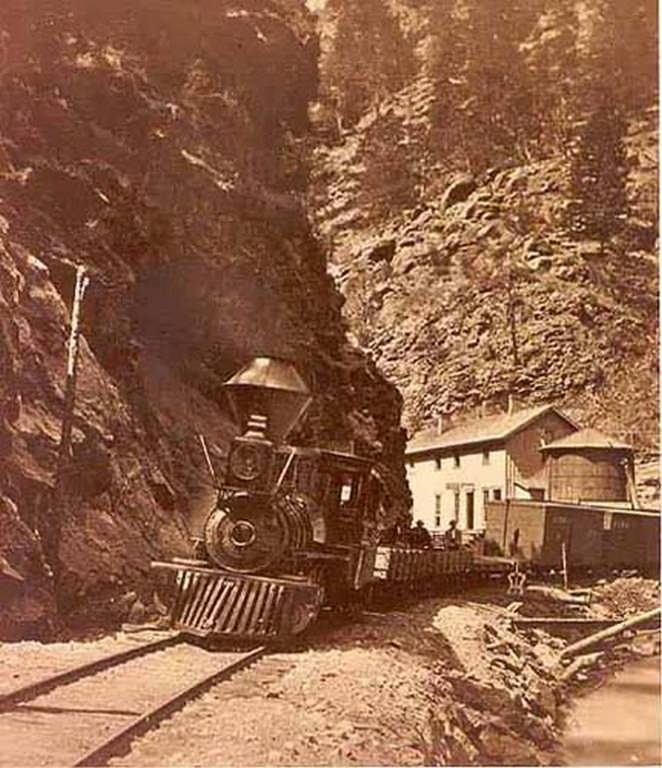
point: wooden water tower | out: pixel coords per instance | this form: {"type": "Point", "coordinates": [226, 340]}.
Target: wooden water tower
{"type": "Point", "coordinates": [589, 466]}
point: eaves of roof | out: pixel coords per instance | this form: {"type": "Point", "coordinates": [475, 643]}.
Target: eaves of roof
{"type": "Point", "coordinates": [491, 429]}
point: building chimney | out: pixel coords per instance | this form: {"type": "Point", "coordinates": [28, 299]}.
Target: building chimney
{"type": "Point", "coordinates": [440, 424]}
{"type": "Point", "coordinates": [511, 403]}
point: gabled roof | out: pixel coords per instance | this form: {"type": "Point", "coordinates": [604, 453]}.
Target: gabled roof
{"type": "Point", "coordinates": [587, 438]}
{"type": "Point", "coordinates": [488, 429]}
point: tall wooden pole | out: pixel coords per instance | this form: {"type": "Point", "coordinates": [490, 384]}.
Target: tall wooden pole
{"type": "Point", "coordinates": [64, 448]}
{"type": "Point", "coordinates": [73, 346]}
{"type": "Point", "coordinates": [564, 560]}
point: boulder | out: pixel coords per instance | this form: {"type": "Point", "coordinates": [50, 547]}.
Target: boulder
{"type": "Point", "coordinates": [383, 251]}
{"type": "Point", "coordinates": [498, 701]}
{"type": "Point", "coordinates": [458, 190]}
{"type": "Point", "coordinates": [505, 747]}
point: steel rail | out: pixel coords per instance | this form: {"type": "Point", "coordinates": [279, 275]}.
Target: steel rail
{"type": "Point", "coordinates": [120, 741]}
{"type": "Point", "coordinates": [32, 690]}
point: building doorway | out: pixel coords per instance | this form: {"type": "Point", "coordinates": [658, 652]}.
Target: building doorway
{"type": "Point", "coordinates": [470, 510]}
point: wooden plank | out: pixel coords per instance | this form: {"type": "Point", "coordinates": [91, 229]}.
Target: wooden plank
{"type": "Point", "coordinates": [199, 582]}
{"type": "Point", "coordinates": [552, 622]}
{"type": "Point", "coordinates": [221, 602]}
{"type": "Point", "coordinates": [239, 605]}
{"type": "Point", "coordinates": [244, 623]}
{"type": "Point", "coordinates": [291, 579]}
{"type": "Point", "coordinates": [207, 619]}
{"type": "Point", "coordinates": [257, 622]}
{"type": "Point", "coordinates": [276, 615]}
{"type": "Point", "coordinates": [272, 593]}
{"type": "Point", "coordinates": [229, 601]}
{"type": "Point", "coordinates": [191, 592]}
{"type": "Point", "coordinates": [180, 580]}
{"type": "Point", "coordinates": [606, 634]}
{"type": "Point", "coordinates": [580, 663]}
{"type": "Point", "coordinates": [203, 603]}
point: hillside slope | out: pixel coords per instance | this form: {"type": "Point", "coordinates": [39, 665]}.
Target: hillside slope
{"type": "Point", "coordinates": [168, 159]}
{"type": "Point", "coordinates": [492, 211]}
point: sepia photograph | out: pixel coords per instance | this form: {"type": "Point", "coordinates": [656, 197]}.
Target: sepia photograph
{"type": "Point", "coordinates": [329, 383]}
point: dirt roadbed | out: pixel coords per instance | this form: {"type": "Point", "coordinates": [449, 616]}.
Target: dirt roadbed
{"type": "Point", "coordinates": [443, 681]}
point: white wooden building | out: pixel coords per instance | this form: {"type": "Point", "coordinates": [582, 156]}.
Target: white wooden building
{"type": "Point", "coordinates": [452, 473]}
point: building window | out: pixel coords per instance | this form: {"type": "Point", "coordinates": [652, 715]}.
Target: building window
{"type": "Point", "coordinates": [486, 457]}
{"type": "Point", "coordinates": [496, 494]}
{"type": "Point", "coordinates": [456, 460]}
{"type": "Point", "coordinates": [456, 505]}
{"type": "Point", "coordinates": [437, 462]}
{"type": "Point", "coordinates": [486, 496]}
{"type": "Point", "coordinates": [346, 491]}
{"type": "Point", "coordinates": [437, 510]}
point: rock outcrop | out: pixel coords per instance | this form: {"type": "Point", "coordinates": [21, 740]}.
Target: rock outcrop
{"type": "Point", "coordinates": [451, 207]}
{"type": "Point", "coordinates": [162, 146]}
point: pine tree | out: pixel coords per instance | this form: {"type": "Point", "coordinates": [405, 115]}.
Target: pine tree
{"type": "Point", "coordinates": [551, 59]}
{"type": "Point", "coordinates": [599, 205]}
{"type": "Point", "coordinates": [485, 96]}
{"type": "Point", "coordinates": [369, 58]}
{"type": "Point", "coordinates": [615, 75]}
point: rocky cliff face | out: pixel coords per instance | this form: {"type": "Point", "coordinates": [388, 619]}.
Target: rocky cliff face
{"type": "Point", "coordinates": [492, 211]}
{"type": "Point", "coordinates": [160, 144]}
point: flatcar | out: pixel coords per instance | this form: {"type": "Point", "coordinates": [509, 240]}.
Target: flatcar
{"type": "Point", "coordinates": [293, 528]}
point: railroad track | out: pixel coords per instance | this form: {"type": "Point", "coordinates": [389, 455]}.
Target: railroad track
{"type": "Point", "coordinates": [90, 713]}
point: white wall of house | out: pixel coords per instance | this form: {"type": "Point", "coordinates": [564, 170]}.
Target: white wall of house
{"type": "Point", "coordinates": [434, 480]}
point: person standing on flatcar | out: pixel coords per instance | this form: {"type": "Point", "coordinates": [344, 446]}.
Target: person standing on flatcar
{"type": "Point", "coordinates": [453, 536]}
{"type": "Point", "coordinates": [419, 536]}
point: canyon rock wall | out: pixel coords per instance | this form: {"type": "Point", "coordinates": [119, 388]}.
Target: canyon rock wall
{"type": "Point", "coordinates": [163, 146]}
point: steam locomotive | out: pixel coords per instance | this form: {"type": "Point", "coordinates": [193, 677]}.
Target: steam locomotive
{"type": "Point", "coordinates": [293, 528]}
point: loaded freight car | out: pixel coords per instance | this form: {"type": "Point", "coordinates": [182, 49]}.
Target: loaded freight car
{"type": "Point", "coordinates": [632, 540]}
{"type": "Point", "coordinates": [595, 537]}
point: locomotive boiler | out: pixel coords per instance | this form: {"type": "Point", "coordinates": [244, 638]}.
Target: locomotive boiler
{"type": "Point", "coordinates": [292, 527]}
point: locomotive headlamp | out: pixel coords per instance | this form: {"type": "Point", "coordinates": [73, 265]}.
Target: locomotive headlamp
{"type": "Point", "coordinates": [250, 464]}
{"type": "Point", "coordinates": [247, 461]}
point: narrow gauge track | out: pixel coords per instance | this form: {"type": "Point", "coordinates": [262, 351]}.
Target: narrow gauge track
{"type": "Point", "coordinates": [88, 714]}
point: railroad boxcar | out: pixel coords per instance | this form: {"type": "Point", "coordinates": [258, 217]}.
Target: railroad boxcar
{"type": "Point", "coordinates": [594, 537]}
{"type": "Point", "coordinates": [632, 540]}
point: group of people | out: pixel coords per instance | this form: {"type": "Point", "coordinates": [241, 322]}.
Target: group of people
{"type": "Point", "coordinates": [420, 537]}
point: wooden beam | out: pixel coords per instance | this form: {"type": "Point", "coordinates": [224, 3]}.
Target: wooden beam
{"type": "Point", "coordinates": [580, 663]}
{"type": "Point", "coordinates": [555, 622]}
{"type": "Point", "coordinates": [607, 634]}
{"type": "Point", "coordinates": [558, 594]}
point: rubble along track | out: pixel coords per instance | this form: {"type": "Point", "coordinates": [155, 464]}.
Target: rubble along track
{"type": "Point", "coordinates": [88, 714]}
